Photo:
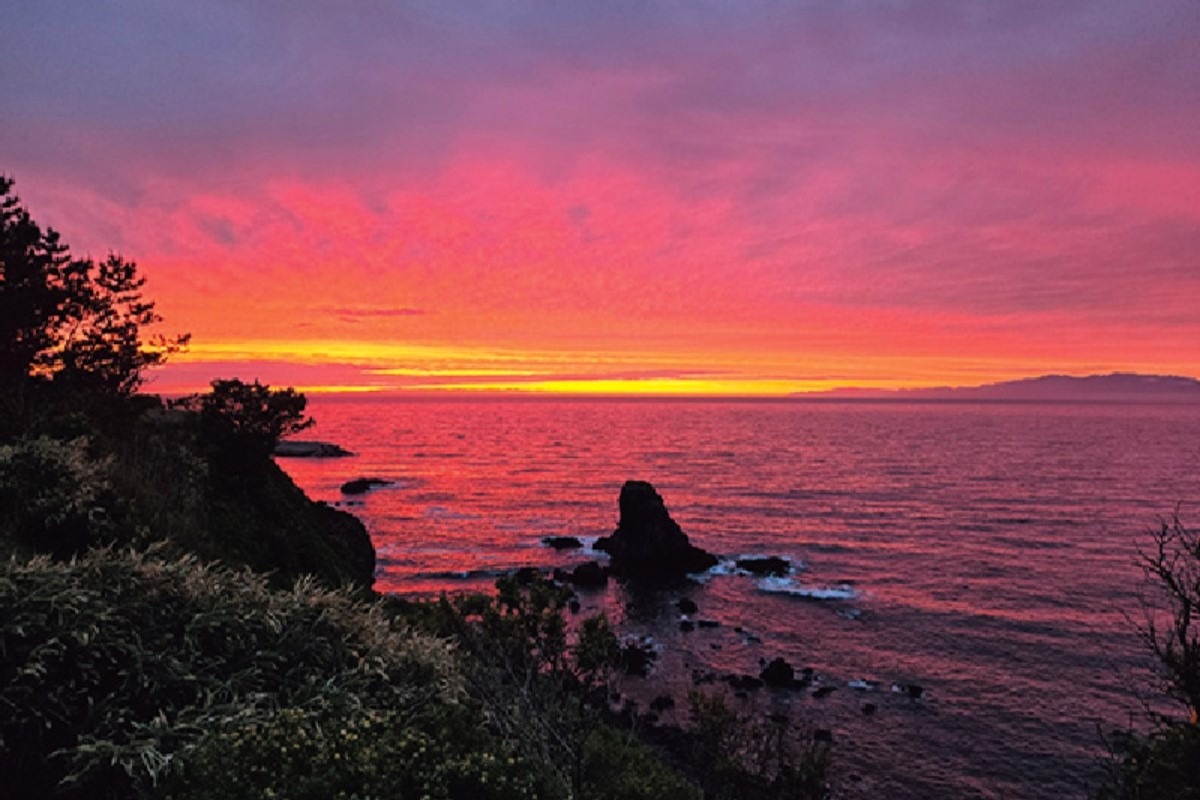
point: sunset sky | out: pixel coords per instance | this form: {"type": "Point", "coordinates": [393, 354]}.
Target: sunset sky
{"type": "Point", "coordinates": [632, 197]}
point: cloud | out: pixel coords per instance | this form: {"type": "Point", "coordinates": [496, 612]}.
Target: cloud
{"type": "Point", "coordinates": [790, 184]}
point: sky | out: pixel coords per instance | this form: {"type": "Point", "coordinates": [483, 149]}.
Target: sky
{"type": "Point", "coordinates": [732, 198]}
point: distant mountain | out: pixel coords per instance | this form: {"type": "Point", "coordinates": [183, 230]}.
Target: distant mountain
{"type": "Point", "coordinates": [1119, 387]}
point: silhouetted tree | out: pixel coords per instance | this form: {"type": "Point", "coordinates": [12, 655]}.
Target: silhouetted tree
{"type": "Point", "coordinates": [248, 419]}
{"type": "Point", "coordinates": [72, 320]}
{"type": "Point", "coordinates": [1165, 764]}
{"type": "Point", "coordinates": [32, 265]}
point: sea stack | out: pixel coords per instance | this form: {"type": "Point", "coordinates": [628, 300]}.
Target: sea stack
{"type": "Point", "coordinates": [648, 546]}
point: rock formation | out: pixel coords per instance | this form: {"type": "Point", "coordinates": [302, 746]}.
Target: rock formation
{"type": "Point", "coordinates": [648, 546]}
{"type": "Point", "coordinates": [295, 448]}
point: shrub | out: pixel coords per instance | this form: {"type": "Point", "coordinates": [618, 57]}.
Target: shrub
{"type": "Point", "coordinates": [117, 668]}
{"type": "Point", "coordinates": [55, 497]}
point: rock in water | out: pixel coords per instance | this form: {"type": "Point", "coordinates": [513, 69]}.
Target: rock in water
{"type": "Point", "coordinates": [363, 485]}
{"type": "Point", "coordinates": [648, 546]}
{"type": "Point", "coordinates": [589, 575]}
{"type": "Point", "coordinates": [778, 674]}
{"type": "Point", "coordinates": [770, 565]}
{"type": "Point", "coordinates": [562, 542]}
{"type": "Point", "coordinates": [295, 448]}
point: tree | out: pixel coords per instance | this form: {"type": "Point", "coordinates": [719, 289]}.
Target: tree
{"type": "Point", "coordinates": [32, 263]}
{"type": "Point", "coordinates": [71, 320]}
{"type": "Point", "coordinates": [248, 419]}
{"type": "Point", "coordinates": [1173, 566]}
{"type": "Point", "coordinates": [1165, 764]}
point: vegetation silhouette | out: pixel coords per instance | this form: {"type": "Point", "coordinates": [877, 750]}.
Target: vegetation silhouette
{"type": "Point", "coordinates": [71, 320]}
{"type": "Point", "coordinates": [1165, 763]}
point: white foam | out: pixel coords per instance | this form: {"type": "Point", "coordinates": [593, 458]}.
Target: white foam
{"type": "Point", "coordinates": [788, 586]}
{"type": "Point", "coordinates": [729, 567]}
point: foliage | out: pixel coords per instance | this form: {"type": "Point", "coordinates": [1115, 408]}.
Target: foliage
{"type": "Point", "coordinates": [55, 497]}
{"type": "Point", "coordinates": [246, 420]}
{"type": "Point", "coordinates": [539, 690]}
{"type": "Point", "coordinates": [330, 754]}
{"type": "Point", "coordinates": [544, 686]}
{"type": "Point", "coordinates": [32, 263]}
{"type": "Point", "coordinates": [1165, 764]}
{"type": "Point", "coordinates": [77, 321]}
{"type": "Point", "coordinates": [745, 757]}
{"type": "Point", "coordinates": [117, 669]}
{"type": "Point", "coordinates": [617, 766]}
{"type": "Point", "coordinates": [1173, 633]}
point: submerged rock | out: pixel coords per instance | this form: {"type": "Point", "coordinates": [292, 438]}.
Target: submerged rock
{"type": "Point", "coordinates": [364, 485]}
{"type": "Point", "coordinates": [562, 542]}
{"type": "Point", "coordinates": [648, 546]}
{"type": "Point", "coordinates": [772, 566]}
{"type": "Point", "coordinates": [778, 674]}
{"type": "Point", "coordinates": [687, 605]}
{"type": "Point", "coordinates": [589, 574]}
{"type": "Point", "coordinates": [637, 657]}
{"type": "Point", "coordinates": [743, 683]}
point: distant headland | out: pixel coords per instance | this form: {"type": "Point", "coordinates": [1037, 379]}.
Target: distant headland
{"type": "Point", "coordinates": [1117, 387]}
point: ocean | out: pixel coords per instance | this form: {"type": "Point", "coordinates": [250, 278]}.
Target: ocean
{"type": "Point", "coordinates": [985, 552]}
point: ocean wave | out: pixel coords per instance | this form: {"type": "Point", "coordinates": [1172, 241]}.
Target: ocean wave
{"type": "Point", "coordinates": [728, 566]}
{"type": "Point", "coordinates": [787, 586]}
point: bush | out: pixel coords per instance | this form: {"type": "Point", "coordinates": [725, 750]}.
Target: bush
{"type": "Point", "coordinates": [55, 497]}
{"type": "Point", "coordinates": [117, 669]}
{"type": "Point", "coordinates": [338, 754]}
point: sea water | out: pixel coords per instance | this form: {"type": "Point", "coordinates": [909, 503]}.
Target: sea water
{"type": "Point", "coordinates": [986, 553]}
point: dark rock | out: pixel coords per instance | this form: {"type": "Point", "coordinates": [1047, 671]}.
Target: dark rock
{"type": "Point", "coordinates": [771, 565]}
{"type": "Point", "coordinates": [687, 626]}
{"type": "Point", "coordinates": [741, 695]}
{"type": "Point", "coordinates": [823, 735]}
{"type": "Point", "coordinates": [869, 708]}
{"type": "Point", "coordinates": [778, 674]}
{"type": "Point", "coordinates": [637, 658]}
{"type": "Point", "coordinates": [574, 606]}
{"type": "Point", "coordinates": [662, 703]}
{"type": "Point", "coordinates": [743, 683]}
{"type": "Point", "coordinates": [648, 546]}
{"type": "Point", "coordinates": [301, 449]}
{"type": "Point", "coordinates": [349, 538]}
{"type": "Point", "coordinates": [589, 575]}
{"type": "Point", "coordinates": [687, 605]}
{"type": "Point", "coordinates": [709, 623]}
{"type": "Point", "coordinates": [527, 576]}
{"type": "Point", "coordinates": [562, 542]}
{"type": "Point", "coordinates": [914, 691]}
{"type": "Point", "coordinates": [823, 692]}
{"type": "Point", "coordinates": [363, 485]}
